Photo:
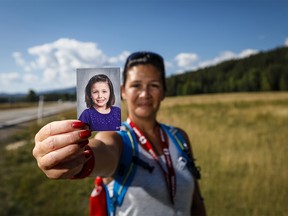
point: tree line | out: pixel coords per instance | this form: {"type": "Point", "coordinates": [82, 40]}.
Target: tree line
{"type": "Point", "coordinates": [32, 96]}
{"type": "Point", "coordinates": [265, 71]}
{"type": "Point", "coordinates": [53, 96]}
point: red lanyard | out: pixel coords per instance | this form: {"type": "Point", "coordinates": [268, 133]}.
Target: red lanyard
{"type": "Point", "coordinates": [144, 142]}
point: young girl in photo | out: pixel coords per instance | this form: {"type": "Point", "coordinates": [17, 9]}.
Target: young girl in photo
{"type": "Point", "coordinates": [100, 114]}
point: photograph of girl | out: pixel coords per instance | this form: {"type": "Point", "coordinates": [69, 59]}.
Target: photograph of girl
{"type": "Point", "coordinates": [100, 114]}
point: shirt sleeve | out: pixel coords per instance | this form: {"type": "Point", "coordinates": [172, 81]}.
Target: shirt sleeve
{"type": "Point", "coordinates": [85, 117]}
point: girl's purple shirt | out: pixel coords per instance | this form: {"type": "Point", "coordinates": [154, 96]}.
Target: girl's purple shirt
{"type": "Point", "coordinates": [102, 122]}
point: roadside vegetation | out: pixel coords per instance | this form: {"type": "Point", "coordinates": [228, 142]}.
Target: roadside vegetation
{"type": "Point", "coordinates": [18, 105]}
{"type": "Point", "coordinates": [239, 141]}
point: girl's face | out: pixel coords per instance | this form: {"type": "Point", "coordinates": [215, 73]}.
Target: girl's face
{"type": "Point", "coordinates": [143, 91]}
{"type": "Point", "coordinates": [100, 94]}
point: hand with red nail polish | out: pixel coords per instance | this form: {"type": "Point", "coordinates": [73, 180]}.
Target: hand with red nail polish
{"type": "Point", "coordinates": [83, 143]}
{"type": "Point", "coordinates": [60, 148]}
{"type": "Point", "coordinates": [78, 125]}
{"type": "Point", "coordinates": [85, 134]}
{"type": "Point", "coordinates": [63, 150]}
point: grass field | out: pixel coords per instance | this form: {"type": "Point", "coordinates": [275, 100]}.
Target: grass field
{"type": "Point", "coordinates": [239, 141]}
{"type": "Point", "coordinates": [17, 105]}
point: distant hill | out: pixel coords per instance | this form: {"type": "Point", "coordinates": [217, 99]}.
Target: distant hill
{"type": "Point", "coordinates": [71, 90]}
{"type": "Point", "coordinates": [60, 94]}
{"type": "Point", "coordinates": [17, 95]}
{"type": "Point", "coordinates": [50, 95]}
{"type": "Point", "coordinates": [265, 71]}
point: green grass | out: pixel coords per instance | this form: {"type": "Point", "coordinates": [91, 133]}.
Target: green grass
{"type": "Point", "coordinates": [241, 146]}
{"type": "Point", "coordinates": [25, 190]}
{"type": "Point", "coordinates": [17, 105]}
{"type": "Point", "coordinates": [20, 105]}
{"type": "Point", "coordinates": [239, 140]}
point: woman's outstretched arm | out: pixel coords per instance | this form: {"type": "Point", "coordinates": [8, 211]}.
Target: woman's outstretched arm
{"type": "Point", "coordinates": [61, 150]}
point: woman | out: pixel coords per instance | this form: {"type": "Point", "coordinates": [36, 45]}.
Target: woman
{"type": "Point", "coordinates": [100, 115]}
{"type": "Point", "coordinates": [63, 150]}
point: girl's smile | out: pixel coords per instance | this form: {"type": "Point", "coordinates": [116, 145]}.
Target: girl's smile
{"type": "Point", "coordinates": [100, 94]}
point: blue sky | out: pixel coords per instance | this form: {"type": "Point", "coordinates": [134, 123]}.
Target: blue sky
{"type": "Point", "coordinates": [42, 42]}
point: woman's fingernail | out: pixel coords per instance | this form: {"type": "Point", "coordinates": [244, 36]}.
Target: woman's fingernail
{"type": "Point", "coordinates": [85, 134]}
{"type": "Point", "coordinates": [88, 153]}
{"type": "Point", "coordinates": [78, 124]}
{"type": "Point", "coordinates": [83, 143]}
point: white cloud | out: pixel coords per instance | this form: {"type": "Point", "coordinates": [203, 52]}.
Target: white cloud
{"type": "Point", "coordinates": [186, 60]}
{"type": "Point", "coordinates": [30, 78]}
{"type": "Point", "coordinates": [57, 61]}
{"type": "Point", "coordinates": [18, 58]}
{"type": "Point", "coordinates": [53, 65]}
{"type": "Point", "coordinates": [17, 82]}
{"type": "Point", "coordinates": [286, 42]}
{"type": "Point", "coordinates": [168, 64]}
{"type": "Point", "coordinates": [190, 61]}
{"type": "Point", "coordinates": [119, 59]}
{"type": "Point", "coordinates": [225, 56]}
{"type": "Point", "coordinates": [246, 53]}
{"type": "Point", "coordinates": [49, 75]}
{"type": "Point", "coordinates": [7, 78]}
{"type": "Point", "coordinates": [20, 61]}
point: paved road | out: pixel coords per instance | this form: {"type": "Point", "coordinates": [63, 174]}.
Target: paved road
{"type": "Point", "coordinates": [13, 117]}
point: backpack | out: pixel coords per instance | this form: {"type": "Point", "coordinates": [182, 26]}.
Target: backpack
{"type": "Point", "coordinates": [127, 167]}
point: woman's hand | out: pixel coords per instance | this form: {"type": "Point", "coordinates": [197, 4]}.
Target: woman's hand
{"type": "Point", "coordinates": [60, 148]}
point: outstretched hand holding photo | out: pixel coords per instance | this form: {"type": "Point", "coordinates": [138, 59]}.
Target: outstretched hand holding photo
{"type": "Point", "coordinates": [60, 148]}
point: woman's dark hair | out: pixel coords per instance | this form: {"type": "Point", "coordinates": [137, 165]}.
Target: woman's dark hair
{"type": "Point", "coordinates": [99, 78]}
{"type": "Point", "coordinates": [144, 57]}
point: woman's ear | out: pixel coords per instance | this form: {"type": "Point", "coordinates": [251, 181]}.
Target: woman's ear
{"type": "Point", "coordinates": [163, 96]}
{"type": "Point", "coordinates": [123, 94]}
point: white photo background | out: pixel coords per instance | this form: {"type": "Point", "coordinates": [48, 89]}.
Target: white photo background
{"type": "Point", "coordinates": [85, 74]}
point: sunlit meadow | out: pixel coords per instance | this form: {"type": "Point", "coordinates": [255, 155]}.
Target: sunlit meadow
{"type": "Point", "coordinates": [239, 141]}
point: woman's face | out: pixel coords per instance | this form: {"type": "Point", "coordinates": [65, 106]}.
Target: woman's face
{"type": "Point", "coordinates": [143, 91]}
{"type": "Point", "coordinates": [100, 94]}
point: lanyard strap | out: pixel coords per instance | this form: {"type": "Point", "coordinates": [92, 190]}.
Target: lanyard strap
{"type": "Point", "coordinates": [146, 145]}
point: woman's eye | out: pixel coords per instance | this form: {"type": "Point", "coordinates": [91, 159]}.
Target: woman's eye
{"type": "Point", "coordinates": [155, 85]}
{"type": "Point", "coordinates": [135, 85]}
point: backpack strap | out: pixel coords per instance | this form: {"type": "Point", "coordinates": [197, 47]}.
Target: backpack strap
{"type": "Point", "coordinates": [129, 160]}
{"type": "Point", "coordinates": [182, 148]}
{"type": "Point", "coordinates": [125, 171]}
